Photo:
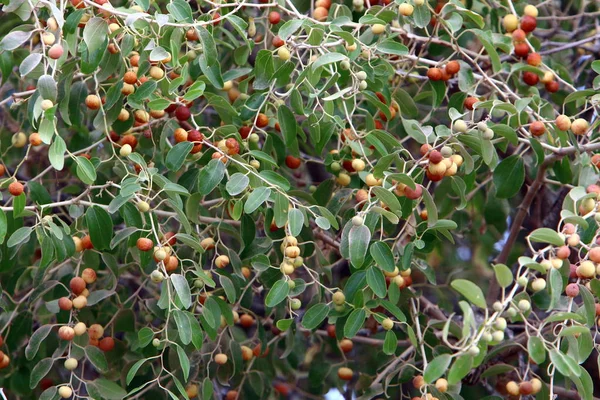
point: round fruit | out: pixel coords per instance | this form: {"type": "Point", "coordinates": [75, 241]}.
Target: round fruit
{"type": "Point", "coordinates": [45, 105]}
{"type": "Point", "coordinates": [262, 120]}
{"type": "Point", "coordinates": [88, 275]}
{"type": "Point", "coordinates": [413, 194]}
{"type": "Point", "coordinates": [512, 388]}
{"type": "Point", "coordinates": [182, 113]}
{"type": "Point", "coordinates": [452, 67]}
{"type": "Point", "coordinates": [435, 74]}
{"type": "Point", "coordinates": [320, 13]}
{"type": "Point", "coordinates": [338, 298]}
{"type": "Point", "coordinates": [580, 126]}
{"type": "Point", "coordinates": [377, 29]}
{"type": "Point", "coordinates": [93, 102]}
{"type": "Point", "coordinates": [572, 290]}
{"type": "Point", "coordinates": [387, 324]}
{"type": "Point", "coordinates": [345, 373]}
{"type": "Point", "coordinates": [222, 261]}
{"type": "Point", "coordinates": [65, 392]}
{"type": "Point", "coordinates": [95, 331]}
{"type": "Point", "coordinates": [406, 9]}
{"type": "Point", "coordinates": [65, 304]}
{"type": "Point", "coordinates": [534, 59]}
{"type": "Point", "coordinates": [125, 150]}
{"type": "Point", "coordinates": [346, 345]}
{"type": "Point", "coordinates": [525, 388]}
{"type": "Point", "coordinates": [284, 53]}
{"type": "Point", "coordinates": [510, 22]}
{"type": "Point", "coordinates": [418, 382]}
{"type": "Point", "coordinates": [530, 78]}
{"type": "Point", "coordinates": [537, 128]}
{"type": "Point", "coordinates": [77, 285]}
{"type": "Point", "coordinates": [293, 162]}
{"type": "Point", "coordinates": [15, 188]}
{"type": "Point", "coordinates": [80, 328]}
{"type": "Point", "coordinates": [530, 10]}
{"type": "Point", "coordinates": [552, 86]}
{"type": "Point", "coordinates": [221, 358]}
{"type": "Point", "coordinates": [56, 51]}
{"type": "Point", "coordinates": [274, 17]}
{"type": "Point", "coordinates": [156, 72]}
{"type": "Point", "coordinates": [441, 385]}
{"type": "Point", "coordinates": [207, 244]}
{"type": "Point", "coordinates": [519, 36]}
{"type": "Point", "coordinates": [521, 50]}
{"type": "Point", "coordinates": [528, 23]}
{"type": "Point", "coordinates": [66, 333]}
{"type": "Point", "coordinates": [106, 344]}
{"type": "Point", "coordinates": [144, 244]}
{"type": "Point", "coordinates": [563, 123]}
{"type": "Point", "coordinates": [71, 363]}
{"type": "Point", "coordinates": [470, 102]}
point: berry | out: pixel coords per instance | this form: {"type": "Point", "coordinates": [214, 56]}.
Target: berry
{"type": "Point", "coordinates": [580, 126]}
{"type": "Point", "coordinates": [521, 50]}
{"type": "Point", "coordinates": [93, 102]}
{"type": "Point", "coordinates": [510, 22]}
{"type": "Point", "coordinates": [320, 13]}
{"type": "Point", "coordinates": [530, 78]}
{"type": "Point", "coordinates": [15, 188]}
{"type": "Point", "coordinates": [519, 36]}
{"type": "Point", "coordinates": [56, 51]}
{"type": "Point", "coordinates": [293, 162]}
{"type": "Point", "coordinates": [274, 17]}
{"type": "Point", "coordinates": [452, 67]}
{"type": "Point", "coordinates": [377, 29]}
{"type": "Point", "coordinates": [106, 344]}
{"type": "Point", "coordinates": [537, 128]}
{"type": "Point", "coordinates": [77, 285]}
{"type": "Point", "coordinates": [88, 275]}
{"type": "Point", "coordinates": [262, 120]}
{"type": "Point", "coordinates": [435, 74]}
{"type": "Point", "coordinates": [528, 23]}
{"type": "Point", "coordinates": [552, 86]}
{"type": "Point", "coordinates": [221, 358]}
{"type": "Point", "coordinates": [65, 304]}
{"type": "Point", "coordinates": [572, 290]}
{"type": "Point", "coordinates": [182, 113]}
{"type": "Point", "coordinates": [563, 123]}
{"type": "Point", "coordinates": [144, 244]}
{"type": "Point", "coordinates": [470, 102]}
{"type": "Point", "coordinates": [66, 333]}
{"type": "Point", "coordinates": [534, 59]}
{"type": "Point", "coordinates": [345, 373]}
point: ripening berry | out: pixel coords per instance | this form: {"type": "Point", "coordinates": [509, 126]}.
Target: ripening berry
{"type": "Point", "coordinates": [156, 72]}
{"type": "Point", "coordinates": [406, 9]}
{"type": "Point", "coordinates": [144, 244]}
{"type": "Point", "coordinates": [93, 102]}
{"type": "Point", "coordinates": [293, 162]}
{"type": "Point", "coordinates": [510, 22]}
{"type": "Point", "coordinates": [221, 358]}
{"type": "Point", "coordinates": [71, 363]}
{"type": "Point", "coordinates": [441, 385]}
{"type": "Point", "coordinates": [77, 285]}
{"type": "Point", "coordinates": [262, 120]}
{"type": "Point", "coordinates": [528, 23]}
{"type": "Point", "coordinates": [320, 13]}
{"type": "Point", "coordinates": [277, 42]}
{"type": "Point", "coordinates": [563, 123]}
{"type": "Point", "coordinates": [371, 181]}
{"type": "Point", "coordinates": [435, 74]}
{"type": "Point", "coordinates": [66, 333]}
{"type": "Point", "coordinates": [531, 10]}
{"type": "Point", "coordinates": [106, 344]}
{"type": "Point", "coordinates": [413, 194]}
{"type": "Point", "coordinates": [222, 261]}
{"type": "Point", "coordinates": [536, 385]}
{"type": "Point", "coordinates": [552, 86]}
{"type": "Point", "coordinates": [89, 275]}
{"type": "Point", "coordinates": [512, 388]}
{"type": "Point", "coordinates": [470, 102]}
{"type": "Point", "coordinates": [572, 290]}
{"type": "Point", "coordinates": [207, 244]}
{"type": "Point", "coordinates": [15, 188]}
{"type": "Point", "coordinates": [521, 50]}
{"type": "Point", "coordinates": [586, 270]}
{"type": "Point", "coordinates": [377, 29]}
{"type": "Point", "coordinates": [346, 345]}
{"type": "Point", "coordinates": [580, 126]}
{"type": "Point", "coordinates": [274, 17]}
{"type": "Point", "coordinates": [534, 59]}
{"type": "Point", "coordinates": [338, 298]}
{"type": "Point", "coordinates": [345, 373]}
{"type": "Point", "coordinates": [65, 304]}
{"type": "Point", "coordinates": [343, 179]}
{"type": "Point", "coordinates": [283, 53]}
{"type": "Point", "coordinates": [519, 36]}
{"type": "Point", "coordinates": [537, 128]}
{"type": "Point", "coordinates": [56, 51]}
{"type": "Point", "coordinates": [418, 382]}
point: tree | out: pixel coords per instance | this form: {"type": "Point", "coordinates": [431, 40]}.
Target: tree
{"type": "Point", "coordinates": [277, 199]}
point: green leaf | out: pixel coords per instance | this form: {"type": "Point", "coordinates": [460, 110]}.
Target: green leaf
{"type": "Point", "coordinates": [382, 254]}
{"type": "Point", "coordinates": [546, 235]}
{"type": "Point", "coordinates": [39, 371]}
{"type": "Point", "coordinates": [503, 275]}
{"type": "Point", "coordinates": [56, 153]}
{"type": "Point", "coordinates": [390, 46]}
{"type": "Point", "coordinates": [96, 357]}
{"type": "Point", "coordinates": [295, 221]}
{"type": "Point", "coordinates": [432, 213]}
{"type": "Point", "coordinates": [326, 59]}
{"type": "Point", "coordinates": [181, 11]}
{"type": "Point", "coordinates": [256, 198]}
{"type": "Point", "coordinates": [19, 236]}
{"type": "Point", "coordinates": [95, 33]}
{"type": "Point", "coordinates": [176, 156]}
{"type": "Point", "coordinates": [390, 343]}
{"type": "Point", "coordinates": [145, 336]}
{"type": "Point", "coordinates": [509, 176]}
{"type": "Point", "coordinates": [358, 241]}
{"type": "Point", "coordinates": [376, 281]}
{"type": "Point", "coordinates": [289, 27]}
{"type": "Point", "coordinates": [184, 327]}
{"type": "Point", "coordinates": [437, 367]}
{"type": "Point", "coordinates": [210, 176]}
{"type": "Point", "coordinates": [85, 170]}
{"type": "Point", "coordinates": [564, 363]}
{"type": "Point", "coordinates": [277, 293]}
{"type": "Point", "coordinates": [134, 369]}
{"type": "Point", "coordinates": [289, 129]}
{"type": "Point", "coordinates": [470, 291]}
{"type": "Point", "coordinates": [388, 198]}
{"type": "Point", "coordinates": [184, 362]}
{"type": "Point", "coordinates": [461, 367]}
{"type": "Point", "coordinates": [354, 322]}
{"type": "Point", "coordinates": [105, 389]}
{"type": "Point", "coordinates": [3, 226]}
{"type": "Point", "coordinates": [315, 315]}
{"type": "Point", "coordinates": [100, 227]}
{"type": "Point", "coordinates": [237, 183]}
{"type": "Point", "coordinates": [182, 289]}
{"type": "Point", "coordinates": [36, 339]}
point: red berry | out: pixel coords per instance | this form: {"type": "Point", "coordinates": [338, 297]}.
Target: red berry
{"type": "Point", "coordinates": [293, 162]}
{"type": "Point", "coordinates": [572, 290]}
{"type": "Point", "coordinates": [521, 50]}
{"type": "Point", "coordinates": [144, 244]}
{"type": "Point", "coordinates": [470, 102]}
{"type": "Point", "coordinates": [552, 86]}
{"type": "Point", "coordinates": [274, 17]}
{"type": "Point", "coordinates": [244, 132]}
{"type": "Point", "coordinates": [528, 23]}
{"type": "Point", "coordinates": [15, 188]}
{"type": "Point", "coordinates": [435, 157]}
{"type": "Point", "coordinates": [413, 194]}
{"type": "Point", "coordinates": [182, 113]}
{"type": "Point", "coordinates": [530, 78]}
{"type": "Point", "coordinates": [106, 344]}
{"type": "Point", "coordinates": [77, 285]}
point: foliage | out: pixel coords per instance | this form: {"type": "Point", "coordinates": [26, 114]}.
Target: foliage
{"type": "Point", "coordinates": [274, 199]}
